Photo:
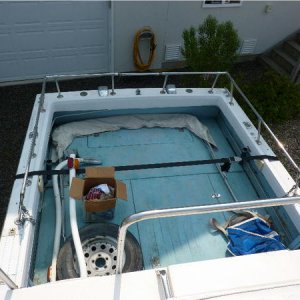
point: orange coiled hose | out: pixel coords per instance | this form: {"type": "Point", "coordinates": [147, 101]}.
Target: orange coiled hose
{"type": "Point", "coordinates": [138, 61]}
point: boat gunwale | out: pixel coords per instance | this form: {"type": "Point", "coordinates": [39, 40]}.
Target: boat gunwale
{"type": "Point", "coordinates": [48, 110]}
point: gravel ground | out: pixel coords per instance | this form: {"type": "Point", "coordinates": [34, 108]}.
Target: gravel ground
{"type": "Point", "coordinates": [288, 134]}
{"type": "Point", "coordinates": [16, 105]}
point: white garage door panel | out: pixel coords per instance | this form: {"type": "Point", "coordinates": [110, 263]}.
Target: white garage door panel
{"type": "Point", "coordinates": [38, 38]}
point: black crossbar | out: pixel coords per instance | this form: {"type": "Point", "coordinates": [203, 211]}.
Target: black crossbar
{"type": "Point", "coordinates": [226, 160]}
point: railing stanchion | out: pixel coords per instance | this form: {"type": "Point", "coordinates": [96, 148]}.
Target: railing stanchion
{"type": "Point", "coordinates": [231, 93]}
{"type": "Point", "coordinates": [113, 84]}
{"type": "Point", "coordinates": [58, 89]}
{"type": "Point", "coordinates": [214, 84]}
{"type": "Point", "coordinates": [258, 132]}
{"type": "Point", "coordinates": [163, 91]}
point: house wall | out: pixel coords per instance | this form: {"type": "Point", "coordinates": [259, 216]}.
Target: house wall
{"type": "Point", "coordinates": [169, 19]}
{"type": "Point", "coordinates": [58, 37]}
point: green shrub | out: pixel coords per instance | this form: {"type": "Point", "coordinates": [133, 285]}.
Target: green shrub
{"type": "Point", "coordinates": [274, 96]}
{"type": "Point", "coordinates": [212, 47]}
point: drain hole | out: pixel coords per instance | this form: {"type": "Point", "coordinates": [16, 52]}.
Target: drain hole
{"type": "Point", "coordinates": [93, 248]}
{"type": "Point", "coordinates": [89, 272]}
{"type": "Point", "coordinates": [111, 250]}
{"type": "Point", "coordinates": [103, 247]}
{"type": "Point", "coordinates": [86, 255]}
{"type": "Point", "coordinates": [100, 262]}
{"type": "Point", "coordinates": [115, 258]}
{"type": "Point", "coordinates": [113, 267]}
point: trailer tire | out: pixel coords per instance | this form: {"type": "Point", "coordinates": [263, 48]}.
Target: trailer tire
{"type": "Point", "coordinates": [99, 243]}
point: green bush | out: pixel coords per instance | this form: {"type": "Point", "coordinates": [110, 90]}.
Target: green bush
{"type": "Point", "coordinates": [274, 96]}
{"type": "Point", "coordinates": [212, 47]}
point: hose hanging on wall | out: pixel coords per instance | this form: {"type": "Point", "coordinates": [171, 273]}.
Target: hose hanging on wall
{"type": "Point", "coordinates": [144, 33]}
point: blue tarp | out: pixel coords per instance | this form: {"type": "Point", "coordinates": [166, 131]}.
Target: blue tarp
{"type": "Point", "coordinates": [253, 236]}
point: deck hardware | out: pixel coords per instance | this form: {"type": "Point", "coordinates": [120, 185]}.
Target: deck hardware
{"type": "Point", "coordinates": [34, 155]}
{"type": "Point", "coordinates": [12, 231]}
{"type": "Point", "coordinates": [216, 195]}
{"type": "Point", "coordinates": [225, 167]}
{"type": "Point", "coordinates": [171, 89]}
{"type": "Point", "coordinates": [226, 92]}
{"type": "Point", "coordinates": [163, 276]}
{"type": "Point", "coordinates": [24, 215]}
{"type": "Point", "coordinates": [189, 91]}
{"type": "Point", "coordinates": [259, 164]}
{"type": "Point", "coordinates": [103, 91]}
{"type": "Point", "coordinates": [41, 185]}
{"type": "Point", "coordinates": [155, 262]}
{"type": "Point", "coordinates": [295, 188]}
{"type": "Point", "coordinates": [138, 92]}
{"type": "Point", "coordinates": [83, 94]}
{"type": "Point", "coordinates": [247, 125]}
{"type": "Point", "coordinates": [28, 182]}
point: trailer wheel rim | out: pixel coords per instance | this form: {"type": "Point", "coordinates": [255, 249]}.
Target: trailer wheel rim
{"type": "Point", "coordinates": [100, 238]}
{"type": "Point", "coordinates": [100, 254]}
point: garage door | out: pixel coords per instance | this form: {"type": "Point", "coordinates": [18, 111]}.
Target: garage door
{"type": "Point", "coordinates": [38, 38]}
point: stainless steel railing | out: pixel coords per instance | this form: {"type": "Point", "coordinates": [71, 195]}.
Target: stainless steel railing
{"type": "Point", "coordinates": [5, 278]}
{"type": "Point", "coordinates": [23, 212]}
{"type": "Point", "coordinates": [233, 85]}
{"type": "Point", "coordinates": [188, 211]}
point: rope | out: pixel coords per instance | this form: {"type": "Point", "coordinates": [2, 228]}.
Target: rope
{"type": "Point", "coordinates": [138, 61]}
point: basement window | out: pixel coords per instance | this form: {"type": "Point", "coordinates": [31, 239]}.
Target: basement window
{"type": "Point", "coordinates": [221, 3]}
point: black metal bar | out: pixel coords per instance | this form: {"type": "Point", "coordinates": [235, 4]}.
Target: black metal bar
{"type": "Point", "coordinates": [232, 159]}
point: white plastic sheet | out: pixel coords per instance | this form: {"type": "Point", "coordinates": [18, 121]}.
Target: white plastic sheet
{"type": "Point", "coordinates": [63, 135]}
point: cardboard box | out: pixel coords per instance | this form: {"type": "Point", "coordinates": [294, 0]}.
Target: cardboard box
{"type": "Point", "coordinates": [93, 177]}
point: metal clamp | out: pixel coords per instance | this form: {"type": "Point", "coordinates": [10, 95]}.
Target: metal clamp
{"type": "Point", "coordinates": [24, 216]}
{"type": "Point", "coordinates": [103, 91]}
{"type": "Point", "coordinates": [171, 89]}
{"type": "Point", "coordinates": [163, 276]}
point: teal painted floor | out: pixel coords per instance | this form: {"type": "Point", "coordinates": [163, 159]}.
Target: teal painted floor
{"type": "Point", "coordinates": [167, 241]}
